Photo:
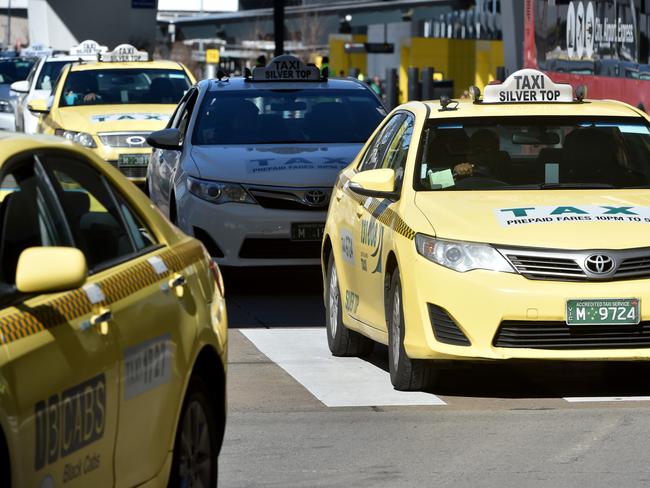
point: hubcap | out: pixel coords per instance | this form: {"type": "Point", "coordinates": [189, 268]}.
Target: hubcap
{"type": "Point", "coordinates": [395, 326]}
{"type": "Point", "coordinates": [195, 451]}
{"type": "Point", "coordinates": [333, 302]}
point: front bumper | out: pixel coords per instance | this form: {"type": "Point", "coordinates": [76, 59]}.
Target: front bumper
{"type": "Point", "coordinates": [480, 301]}
{"type": "Point", "coordinates": [249, 234]}
{"type": "Point", "coordinates": [137, 174]}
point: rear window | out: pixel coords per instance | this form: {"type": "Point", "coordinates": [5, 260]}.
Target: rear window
{"type": "Point", "coordinates": [286, 116]}
{"type": "Point", "coordinates": [511, 153]}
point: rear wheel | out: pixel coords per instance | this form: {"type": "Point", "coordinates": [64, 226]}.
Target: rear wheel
{"type": "Point", "coordinates": [195, 462]}
{"type": "Point", "coordinates": [341, 340]}
{"type": "Point", "coordinates": [405, 374]}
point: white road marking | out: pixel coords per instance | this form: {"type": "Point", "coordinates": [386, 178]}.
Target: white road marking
{"type": "Point", "coordinates": [608, 399]}
{"type": "Point", "coordinates": [337, 382]}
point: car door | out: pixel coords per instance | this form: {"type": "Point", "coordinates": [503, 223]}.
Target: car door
{"type": "Point", "coordinates": [378, 224]}
{"type": "Point", "coordinates": [360, 235]}
{"type": "Point", "coordinates": [169, 159]}
{"type": "Point", "coordinates": [60, 381]}
{"type": "Point", "coordinates": [149, 292]}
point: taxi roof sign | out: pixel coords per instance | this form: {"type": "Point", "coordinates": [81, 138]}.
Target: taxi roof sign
{"type": "Point", "coordinates": [286, 68]}
{"type": "Point", "coordinates": [528, 86]}
{"type": "Point", "coordinates": [88, 48]}
{"type": "Point", "coordinates": [123, 53]}
{"type": "Point", "coordinates": [36, 50]}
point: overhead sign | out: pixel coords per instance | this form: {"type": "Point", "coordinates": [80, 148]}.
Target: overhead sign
{"type": "Point", "coordinates": [286, 68]}
{"type": "Point", "coordinates": [212, 56]}
{"type": "Point", "coordinates": [123, 53]}
{"type": "Point", "coordinates": [528, 86]}
{"type": "Point", "coordinates": [88, 48]}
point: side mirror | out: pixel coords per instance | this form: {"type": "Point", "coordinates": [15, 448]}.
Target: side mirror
{"type": "Point", "coordinates": [38, 107]}
{"type": "Point", "coordinates": [165, 139]}
{"type": "Point", "coordinates": [50, 269]}
{"type": "Point", "coordinates": [379, 183]}
{"type": "Point", "coordinates": [20, 86]}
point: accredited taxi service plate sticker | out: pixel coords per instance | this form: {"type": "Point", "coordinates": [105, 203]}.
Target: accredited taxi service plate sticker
{"type": "Point", "coordinates": [524, 215]}
{"type": "Point", "coordinates": [603, 311]}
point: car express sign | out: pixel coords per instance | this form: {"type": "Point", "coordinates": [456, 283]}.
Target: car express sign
{"type": "Point", "coordinates": [528, 86]}
{"type": "Point", "coordinates": [286, 68]}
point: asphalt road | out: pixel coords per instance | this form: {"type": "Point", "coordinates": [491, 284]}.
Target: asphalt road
{"type": "Point", "coordinates": [300, 418]}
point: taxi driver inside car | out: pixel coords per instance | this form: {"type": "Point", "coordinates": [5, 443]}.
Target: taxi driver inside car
{"type": "Point", "coordinates": [530, 207]}
{"type": "Point", "coordinates": [111, 105]}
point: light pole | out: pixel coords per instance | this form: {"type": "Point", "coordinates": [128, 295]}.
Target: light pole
{"type": "Point", "coordinates": [278, 26]}
{"type": "Point", "coordinates": [8, 24]}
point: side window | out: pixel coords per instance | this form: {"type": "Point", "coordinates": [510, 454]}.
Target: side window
{"type": "Point", "coordinates": [175, 118]}
{"type": "Point", "coordinates": [141, 235]}
{"type": "Point", "coordinates": [96, 218]}
{"type": "Point", "coordinates": [398, 149]}
{"type": "Point", "coordinates": [27, 218]}
{"type": "Point", "coordinates": [186, 115]}
{"type": "Point", "coordinates": [377, 150]}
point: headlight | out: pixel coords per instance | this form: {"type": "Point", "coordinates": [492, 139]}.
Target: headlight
{"type": "Point", "coordinates": [461, 256]}
{"type": "Point", "coordinates": [6, 107]}
{"type": "Point", "coordinates": [81, 138]}
{"type": "Point", "coordinates": [216, 192]}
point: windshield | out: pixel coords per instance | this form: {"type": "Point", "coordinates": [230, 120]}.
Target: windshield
{"type": "Point", "coordinates": [287, 116]}
{"type": "Point", "coordinates": [48, 75]}
{"type": "Point", "coordinates": [512, 153]}
{"type": "Point", "coordinates": [124, 86]}
{"type": "Point", "coordinates": [15, 69]}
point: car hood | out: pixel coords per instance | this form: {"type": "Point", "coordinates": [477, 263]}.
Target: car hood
{"type": "Point", "coordinates": [296, 165]}
{"type": "Point", "coordinates": [110, 118]}
{"type": "Point", "coordinates": [563, 219]}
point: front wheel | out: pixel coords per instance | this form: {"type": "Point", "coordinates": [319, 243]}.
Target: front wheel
{"type": "Point", "coordinates": [195, 461]}
{"type": "Point", "coordinates": [406, 374]}
{"type": "Point", "coordinates": [341, 340]}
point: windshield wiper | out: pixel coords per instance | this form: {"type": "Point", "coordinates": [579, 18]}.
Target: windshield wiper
{"type": "Point", "coordinates": [552, 186]}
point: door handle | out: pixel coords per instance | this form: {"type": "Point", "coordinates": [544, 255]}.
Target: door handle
{"type": "Point", "coordinates": [177, 283]}
{"type": "Point", "coordinates": [359, 210]}
{"type": "Point", "coordinates": [102, 319]}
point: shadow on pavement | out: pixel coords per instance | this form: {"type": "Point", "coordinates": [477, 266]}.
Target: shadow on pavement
{"type": "Point", "coordinates": [535, 379]}
{"type": "Point", "coordinates": [274, 297]}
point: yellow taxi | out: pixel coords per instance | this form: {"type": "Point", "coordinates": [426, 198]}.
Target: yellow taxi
{"type": "Point", "coordinates": [513, 225]}
{"type": "Point", "coordinates": [113, 329]}
{"type": "Point", "coordinates": [112, 105]}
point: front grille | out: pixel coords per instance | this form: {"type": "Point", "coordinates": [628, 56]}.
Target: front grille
{"type": "Point", "coordinates": [546, 267]}
{"type": "Point", "coordinates": [254, 248]}
{"type": "Point", "coordinates": [131, 171]}
{"type": "Point", "coordinates": [558, 335]}
{"type": "Point", "coordinates": [124, 139]}
{"type": "Point", "coordinates": [292, 198]}
{"type": "Point", "coordinates": [562, 265]}
{"type": "Point", "coordinates": [445, 329]}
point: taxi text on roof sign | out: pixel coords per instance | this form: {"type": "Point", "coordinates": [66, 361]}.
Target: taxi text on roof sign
{"type": "Point", "coordinates": [88, 47]}
{"type": "Point", "coordinates": [286, 68]}
{"type": "Point", "coordinates": [123, 53]}
{"type": "Point", "coordinates": [36, 50]}
{"type": "Point", "coordinates": [528, 86]}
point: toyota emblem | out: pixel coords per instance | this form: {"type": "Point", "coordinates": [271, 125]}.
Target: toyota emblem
{"type": "Point", "coordinates": [135, 140]}
{"type": "Point", "coordinates": [599, 264]}
{"type": "Point", "coordinates": [315, 198]}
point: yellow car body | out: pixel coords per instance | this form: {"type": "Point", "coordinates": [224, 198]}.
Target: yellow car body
{"type": "Point", "coordinates": [111, 125]}
{"type": "Point", "coordinates": [368, 239]}
{"type": "Point", "coordinates": [93, 377]}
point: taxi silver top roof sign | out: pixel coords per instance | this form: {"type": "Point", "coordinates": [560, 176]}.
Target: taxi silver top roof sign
{"type": "Point", "coordinates": [286, 68]}
{"type": "Point", "coordinates": [36, 50]}
{"type": "Point", "coordinates": [528, 86]}
{"type": "Point", "coordinates": [88, 47]}
{"type": "Point", "coordinates": [123, 53]}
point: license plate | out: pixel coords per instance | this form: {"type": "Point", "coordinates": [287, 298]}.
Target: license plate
{"type": "Point", "coordinates": [603, 311]}
{"type": "Point", "coordinates": [307, 232]}
{"type": "Point", "coordinates": [127, 160]}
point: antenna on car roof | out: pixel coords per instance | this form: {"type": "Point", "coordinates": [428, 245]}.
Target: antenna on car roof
{"type": "Point", "coordinates": [581, 92]}
{"type": "Point", "coordinates": [247, 74]}
{"type": "Point", "coordinates": [325, 73]}
{"type": "Point", "coordinates": [221, 75]}
{"type": "Point", "coordinates": [447, 103]}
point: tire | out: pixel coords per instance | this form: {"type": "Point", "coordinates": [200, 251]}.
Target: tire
{"type": "Point", "coordinates": [405, 374]}
{"type": "Point", "coordinates": [196, 449]}
{"type": "Point", "coordinates": [341, 340]}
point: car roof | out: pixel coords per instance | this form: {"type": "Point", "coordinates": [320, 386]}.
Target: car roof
{"type": "Point", "coordinates": [12, 143]}
{"type": "Point", "coordinates": [240, 83]}
{"type": "Point", "coordinates": [161, 64]}
{"type": "Point", "coordinates": [589, 108]}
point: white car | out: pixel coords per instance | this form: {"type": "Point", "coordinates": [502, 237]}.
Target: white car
{"type": "Point", "coordinates": [11, 69]}
{"type": "Point", "coordinates": [247, 164]}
